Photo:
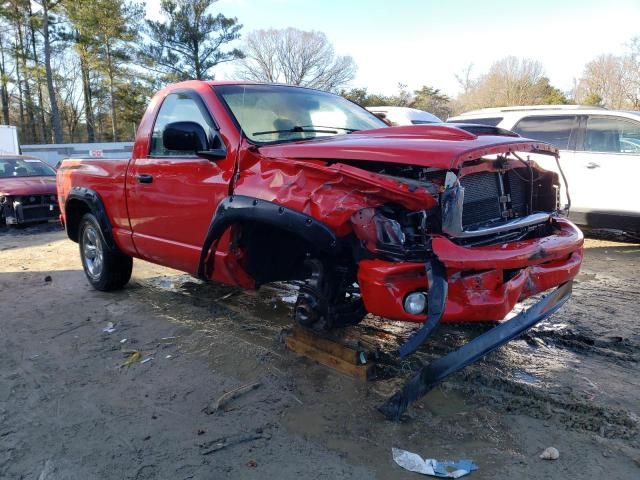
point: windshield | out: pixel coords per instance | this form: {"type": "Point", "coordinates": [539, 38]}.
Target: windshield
{"type": "Point", "coordinates": [24, 167]}
{"type": "Point", "coordinates": [276, 113]}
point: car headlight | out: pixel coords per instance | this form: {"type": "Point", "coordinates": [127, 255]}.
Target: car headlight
{"type": "Point", "coordinates": [391, 231]}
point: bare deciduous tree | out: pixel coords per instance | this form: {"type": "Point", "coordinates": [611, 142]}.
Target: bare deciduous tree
{"type": "Point", "coordinates": [295, 57]}
{"type": "Point", "coordinates": [612, 81]}
{"type": "Point", "coordinates": [510, 81]}
{"type": "Point", "coordinates": [603, 80]}
{"type": "Point", "coordinates": [465, 79]}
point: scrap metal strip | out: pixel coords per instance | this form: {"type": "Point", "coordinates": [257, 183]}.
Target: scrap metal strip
{"type": "Point", "coordinates": [435, 372]}
{"type": "Point", "coordinates": [436, 300]}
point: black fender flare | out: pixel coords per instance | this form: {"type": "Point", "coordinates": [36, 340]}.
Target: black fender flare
{"type": "Point", "coordinates": [92, 199]}
{"type": "Point", "coordinates": [236, 209]}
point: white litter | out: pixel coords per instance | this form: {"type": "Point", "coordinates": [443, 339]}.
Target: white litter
{"type": "Point", "coordinates": [415, 463]}
{"type": "Point", "coordinates": [168, 356]}
{"type": "Point", "coordinates": [147, 360]}
{"type": "Point", "coordinates": [124, 340]}
{"type": "Point", "coordinates": [110, 328]}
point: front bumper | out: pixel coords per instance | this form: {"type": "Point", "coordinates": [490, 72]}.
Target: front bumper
{"type": "Point", "coordinates": [484, 283]}
{"type": "Point", "coordinates": [20, 210]}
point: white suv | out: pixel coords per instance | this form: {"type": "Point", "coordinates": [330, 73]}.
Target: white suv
{"type": "Point", "coordinates": [404, 115]}
{"type": "Point", "coordinates": [599, 154]}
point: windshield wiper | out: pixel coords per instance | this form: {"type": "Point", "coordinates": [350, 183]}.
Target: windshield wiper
{"type": "Point", "coordinates": [339, 128]}
{"type": "Point", "coordinates": [297, 129]}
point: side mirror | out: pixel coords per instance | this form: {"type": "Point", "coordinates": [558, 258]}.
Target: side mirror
{"type": "Point", "coordinates": [191, 137]}
{"type": "Point", "coordinates": [184, 137]}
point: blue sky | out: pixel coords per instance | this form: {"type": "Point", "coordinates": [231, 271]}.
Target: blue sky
{"type": "Point", "coordinates": [427, 42]}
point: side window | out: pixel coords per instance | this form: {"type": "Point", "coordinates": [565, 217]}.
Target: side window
{"type": "Point", "coordinates": [489, 122]}
{"type": "Point", "coordinates": [177, 107]}
{"type": "Point", "coordinates": [555, 130]}
{"type": "Point", "coordinates": [612, 134]}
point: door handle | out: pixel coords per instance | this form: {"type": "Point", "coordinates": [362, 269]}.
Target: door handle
{"type": "Point", "coordinates": [592, 165]}
{"type": "Point", "coordinates": [144, 178]}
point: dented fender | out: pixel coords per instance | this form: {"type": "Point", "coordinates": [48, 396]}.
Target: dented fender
{"type": "Point", "coordinates": [328, 192]}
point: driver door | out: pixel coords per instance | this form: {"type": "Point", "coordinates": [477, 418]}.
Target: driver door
{"type": "Point", "coordinates": [173, 195]}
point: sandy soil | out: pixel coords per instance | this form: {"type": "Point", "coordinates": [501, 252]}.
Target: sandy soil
{"type": "Point", "coordinates": [69, 410]}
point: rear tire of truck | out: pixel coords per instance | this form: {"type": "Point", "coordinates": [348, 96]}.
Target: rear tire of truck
{"type": "Point", "coordinates": [106, 269]}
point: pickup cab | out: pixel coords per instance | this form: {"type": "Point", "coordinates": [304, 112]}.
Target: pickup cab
{"type": "Point", "coordinates": [248, 183]}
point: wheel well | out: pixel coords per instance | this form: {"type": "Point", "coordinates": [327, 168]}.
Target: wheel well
{"type": "Point", "coordinates": [272, 253]}
{"type": "Point", "coordinates": [74, 211]}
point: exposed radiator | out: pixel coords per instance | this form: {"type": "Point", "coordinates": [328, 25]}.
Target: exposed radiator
{"type": "Point", "coordinates": [491, 197]}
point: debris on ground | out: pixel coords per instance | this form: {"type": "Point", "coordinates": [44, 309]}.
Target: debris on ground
{"type": "Point", "coordinates": [148, 359]}
{"type": "Point", "coordinates": [444, 469]}
{"type": "Point", "coordinates": [110, 328]}
{"type": "Point", "coordinates": [231, 440]}
{"type": "Point", "coordinates": [550, 453]}
{"type": "Point", "coordinates": [47, 278]}
{"type": "Point", "coordinates": [228, 295]}
{"type": "Point", "coordinates": [68, 330]}
{"type": "Point", "coordinates": [124, 340]}
{"type": "Point", "coordinates": [227, 397]}
{"type": "Point", "coordinates": [134, 356]}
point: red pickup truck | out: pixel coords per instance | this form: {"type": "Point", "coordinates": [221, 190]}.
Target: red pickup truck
{"type": "Point", "coordinates": [247, 183]}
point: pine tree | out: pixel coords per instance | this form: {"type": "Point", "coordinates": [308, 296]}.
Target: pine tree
{"type": "Point", "coordinates": [189, 43]}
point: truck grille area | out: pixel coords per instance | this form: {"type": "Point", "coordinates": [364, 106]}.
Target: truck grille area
{"type": "Point", "coordinates": [35, 208]}
{"type": "Point", "coordinates": [492, 198]}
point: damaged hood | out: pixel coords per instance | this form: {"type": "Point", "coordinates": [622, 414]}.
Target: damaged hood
{"type": "Point", "coordinates": [28, 186]}
{"type": "Point", "coordinates": [435, 146]}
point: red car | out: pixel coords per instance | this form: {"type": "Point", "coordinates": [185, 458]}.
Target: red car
{"type": "Point", "coordinates": [27, 191]}
{"type": "Point", "coordinates": [253, 183]}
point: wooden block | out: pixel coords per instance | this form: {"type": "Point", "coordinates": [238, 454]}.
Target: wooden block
{"type": "Point", "coordinates": [363, 372]}
{"type": "Point", "coordinates": [334, 349]}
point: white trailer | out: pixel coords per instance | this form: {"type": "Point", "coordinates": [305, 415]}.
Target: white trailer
{"type": "Point", "coordinates": [9, 140]}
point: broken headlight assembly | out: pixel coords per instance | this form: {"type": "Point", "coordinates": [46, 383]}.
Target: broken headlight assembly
{"type": "Point", "coordinates": [393, 232]}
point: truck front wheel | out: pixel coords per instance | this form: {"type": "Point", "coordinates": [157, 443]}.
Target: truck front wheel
{"type": "Point", "coordinates": [105, 268]}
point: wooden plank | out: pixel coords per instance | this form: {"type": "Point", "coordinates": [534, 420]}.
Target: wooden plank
{"type": "Point", "coordinates": [326, 345]}
{"type": "Point", "coordinates": [363, 372]}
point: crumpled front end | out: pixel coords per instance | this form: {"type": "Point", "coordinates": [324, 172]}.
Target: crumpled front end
{"type": "Point", "coordinates": [498, 231]}
{"type": "Point", "coordinates": [484, 283]}
{"type": "Point", "coordinates": [24, 209]}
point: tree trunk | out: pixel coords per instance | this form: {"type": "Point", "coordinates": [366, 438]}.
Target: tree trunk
{"type": "Point", "coordinates": [55, 113]}
{"type": "Point", "coordinates": [43, 122]}
{"type": "Point", "coordinates": [114, 133]}
{"type": "Point", "coordinates": [88, 107]}
{"type": "Point", "coordinates": [4, 91]}
{"type": "Point", "coordinates": [31, 120]}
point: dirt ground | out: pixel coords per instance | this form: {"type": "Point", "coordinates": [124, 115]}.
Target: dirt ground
{"type": "Point", "coordinates": [70, 410]}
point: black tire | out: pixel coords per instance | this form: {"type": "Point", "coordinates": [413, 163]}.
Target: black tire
{"type": "Point", "coordinates": [107, 269]}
